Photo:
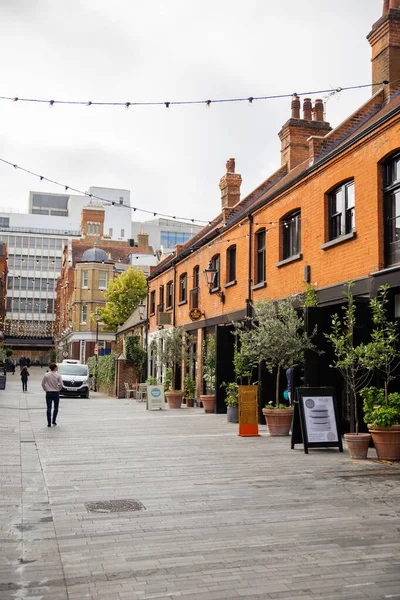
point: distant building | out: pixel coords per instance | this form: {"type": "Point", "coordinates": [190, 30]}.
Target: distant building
{"type": "Point", "coordinates": [165, 234]}
{"type": "Point", "coordinates": [3, 287]}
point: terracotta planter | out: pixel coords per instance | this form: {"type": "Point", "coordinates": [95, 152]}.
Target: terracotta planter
{"type": "Point", "coordinates": [174, 399]}
{"type": "Point", "coordinates": [278, 420]}
{"type": "Point", "coordinates": [232, 414]}
{"type": "Point", "coordinates": [208, 402]}
{"type": "Point", "coordinates": [357, 445]}
{"type": "Point", "coordinates": [386, 441]}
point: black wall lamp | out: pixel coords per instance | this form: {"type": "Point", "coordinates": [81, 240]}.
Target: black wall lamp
{"type": "Point", "coordinates": [210, 274]}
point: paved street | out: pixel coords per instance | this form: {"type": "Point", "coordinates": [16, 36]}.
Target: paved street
{"type": "Point", "coordinates": [220, 516]}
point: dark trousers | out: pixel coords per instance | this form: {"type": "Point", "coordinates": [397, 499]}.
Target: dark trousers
{"type": "Point", "coordinates": [24, 385]}
{"type": "Point", "coordinates": [50, 398]}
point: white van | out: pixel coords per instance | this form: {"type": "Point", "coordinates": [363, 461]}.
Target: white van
{"type": "Point", "coordinates": [75, 378]}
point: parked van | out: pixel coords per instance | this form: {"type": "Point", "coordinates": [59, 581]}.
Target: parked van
{"type": "Point", "coordinates": [75, 378]}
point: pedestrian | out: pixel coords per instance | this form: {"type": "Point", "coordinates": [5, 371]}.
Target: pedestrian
{"type": "Point", "coordinates": [21, 362]}
{"type": "Point", "coordinates": [28, 362]}
{"type": "Point", "coordinates": [52, 385]}
{"type": "Point", "coordinates": [24, 378]}
{"type": "Point", "coordinates": [13, 365]}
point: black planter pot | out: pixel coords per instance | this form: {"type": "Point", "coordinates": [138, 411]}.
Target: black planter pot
{"type": "Point", "coordinates": [232, 414]}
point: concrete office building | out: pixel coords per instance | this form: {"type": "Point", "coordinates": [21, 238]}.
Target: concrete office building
{"type": "Point", "coordinates": [165, 234]}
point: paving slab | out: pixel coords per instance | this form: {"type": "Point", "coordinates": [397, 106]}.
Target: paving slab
{"type": "Point", "coordinates": [218, 516]}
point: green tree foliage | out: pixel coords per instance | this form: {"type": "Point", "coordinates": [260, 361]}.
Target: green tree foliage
{"type": "Point", "coordinates": [105, 368]}
{"type": "Point", "coordinates": [171, 349]}
{"type": "Point", "coordinates": [276, 337]}
{"type": "Point", "coordinates": [135, 353]}
{"type": "Point", "coordinates": [123, 295]}
{"type": "Point", "coordinates": [209, 362]}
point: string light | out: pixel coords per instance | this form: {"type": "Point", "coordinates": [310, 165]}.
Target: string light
{"type": "Point", "coordinates": [105, 200]}
{"type": "Point", "coordinates": [249, 99]}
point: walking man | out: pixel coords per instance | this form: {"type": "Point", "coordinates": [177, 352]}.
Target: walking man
{"type": "Point", "coordinates": [52, 385]}
{"type": "Point", "coordinates": [24, 378]}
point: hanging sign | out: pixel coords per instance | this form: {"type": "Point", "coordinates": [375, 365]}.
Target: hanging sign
{"type": "Point", "coordinates": [195, 314]}
{"type": "Point", "coordinates": [248, 410]}
{"type": "Point", "coordinates": [155, 397]}
{"type": "Point", "coordinates": [315, 419]}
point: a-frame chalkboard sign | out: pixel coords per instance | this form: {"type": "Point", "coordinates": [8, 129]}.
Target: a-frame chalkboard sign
{"type": "Point", "coordinates": [315, 419]}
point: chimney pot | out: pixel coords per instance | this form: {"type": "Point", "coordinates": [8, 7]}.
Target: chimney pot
{"type": "Point", "coordinates": [307, 109]}
{"type": "Point", "coordinates": [385, 7]}
{"type": "Point", "coordinates": [319, 110]}
{"type": "Point", "coordinates": [230, 165]}
{"type": "Point", "coordinates": [296, 107]}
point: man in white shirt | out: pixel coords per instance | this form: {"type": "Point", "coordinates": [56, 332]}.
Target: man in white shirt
{"type": "Point", "coordinates": [52, 384]}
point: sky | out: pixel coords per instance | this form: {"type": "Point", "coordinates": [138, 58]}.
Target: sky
{"type": "Point", "coordinates": [167, 50]}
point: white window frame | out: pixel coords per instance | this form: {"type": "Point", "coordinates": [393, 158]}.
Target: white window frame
{"type": "Point", "coordinates": [85, 275]}
{"type": "Point", "coordinates": [83, 314]}
{"type": "Point", "coordinates": [103, 287]}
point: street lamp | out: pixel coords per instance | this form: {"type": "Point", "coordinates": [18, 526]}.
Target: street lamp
{"type": "Point", "coordinates": [142, 308]}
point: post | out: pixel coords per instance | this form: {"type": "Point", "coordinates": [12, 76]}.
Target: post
{"type": "Point", "coordinates": [97, 352]}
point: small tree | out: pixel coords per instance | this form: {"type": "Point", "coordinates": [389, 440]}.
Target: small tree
{"type": "Point", "coordinates": [276, 337]}
{"type": "Point", "coordinates": [382, 352]}
{"type": "Point", "coordinates": [172, 349]}
{"type": "Point", "coordinates": [349, 359]}
{"type": "Point", "coordinates": [123, 295]}
{"type": "Point", "coordinates": [209, 362]}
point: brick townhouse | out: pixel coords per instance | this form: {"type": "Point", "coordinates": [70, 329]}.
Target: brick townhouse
{"type": "Point", "coordinates": [327, 216]}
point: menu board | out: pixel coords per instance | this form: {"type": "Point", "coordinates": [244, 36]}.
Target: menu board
{"type": "Point", "coordinates": [320, 418]}
{"type": "Point", "coordinates": [315, 420]}
{"type": "Point", "coordinates": [248, 410]}
{"type": "Point", "coordinates": [155, 397]}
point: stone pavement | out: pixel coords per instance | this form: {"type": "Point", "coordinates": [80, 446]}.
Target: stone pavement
{"type": "Point", "coordinates": [222, 517]}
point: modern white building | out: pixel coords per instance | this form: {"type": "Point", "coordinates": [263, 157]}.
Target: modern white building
{"type": "Point", "coordinates": [164, 234]}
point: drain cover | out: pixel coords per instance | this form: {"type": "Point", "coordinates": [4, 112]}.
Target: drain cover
{"type": "Point", "coordinates": [113, 506]}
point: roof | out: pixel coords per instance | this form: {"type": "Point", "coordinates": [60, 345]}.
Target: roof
{"type": "Point", "coordinates": [95, 255]}
{"type": "Point", "coordinates": [368, 117]}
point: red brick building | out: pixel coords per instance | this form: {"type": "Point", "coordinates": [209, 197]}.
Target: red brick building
{"type": "Point", "coordinates": [327, 216]}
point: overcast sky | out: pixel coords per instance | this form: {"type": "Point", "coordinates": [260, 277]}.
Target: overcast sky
{"type": "Point", "coordinates": [164, 50]}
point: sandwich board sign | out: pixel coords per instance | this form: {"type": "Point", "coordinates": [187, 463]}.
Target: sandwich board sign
{"type": "Point", "coordinates": [155, 397]}
{"type": "Point", "coordinates": [248, 410]}
{"type": "Point", "coordinates": [315, 419]}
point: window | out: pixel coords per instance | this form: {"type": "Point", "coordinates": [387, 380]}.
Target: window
{"type": "Point", "coordinates": [215, 263]}
{"type": "Point", "coordinates": [169, 294]}
{"type": "Point", "coordinates": [183, 287]}
{"type": "Point", "coordinates": [4, 222]}
{"type": "Point", "coordinates": [290, 227]}
{"type": "Point", "coordinates": [169, 239]}
{"type": "Point", "coordinates": [194, 292]}
{"type": "Point", "coordinates": [391, 199]}
{"type": "Point", "coordinates": [121, 200]}
{"type": "Point", "coordinates": [260, 256]}
{"type": "Point", "coordinates": [161, 298]}
{"type": "Point", "coordinates": [341, 210]}
{"type": "Point", "coordinates": [231, 264]}
{"type": "Point", "coordinates": [103, 280]}
{"type": "Point", "coordinates": [83, 314]}
{"type": "Point", "coordinates": [85, 279]}
{"type": "Point", "coordinates": [152, 302]}
{"type": "Point", "coordinates": [110, 231]}
{"type": "Point", "coordinates": [122, 233]}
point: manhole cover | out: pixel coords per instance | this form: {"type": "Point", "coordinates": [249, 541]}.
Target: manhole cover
{"type": "Point", "coordinates": [112, 506]}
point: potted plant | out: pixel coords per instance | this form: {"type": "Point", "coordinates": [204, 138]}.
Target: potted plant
{"type": "Point", "coordinates": [381, 408]}
{"type": "Point", "coordinates": [350, 362]}
{"type": "Point", "coordinates": [189, 390]}
{"type": "Point", "coordinates": [209, 364]}
{"type": "Point", "coordinates": [276, 337]}
{"type": "Point", "coordinates": [232, 401]}
{"type": "Point", "coordinates": [172, 351]}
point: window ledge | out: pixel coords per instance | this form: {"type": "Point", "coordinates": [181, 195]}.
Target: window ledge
{"type": "Point", "coordinates": [230, 283]}
{"type": "Point", "coordinates": [152, 314]}
{"type": "Point", "coordinates": [215, 290]}
{"type": "Point", "coordinates": [182, 302]}
{"type": "Point", "coordinates": [258, 286]}
{"type": "Point", "coordinates": [340, 240]}
{"type": "Point", "coordinates": [287, 261]}
{"type": "Point", "coordinates": [168, 308]}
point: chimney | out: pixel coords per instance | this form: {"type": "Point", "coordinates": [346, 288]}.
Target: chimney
{"type": "Point", "coordinates": [230, 185]}
{"type": "Point", "coordinates": [384, 39]}
{"type": "Point", "coordinates": [143, 241]}
{"type": "Point", "coordinates": [295, 133]}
